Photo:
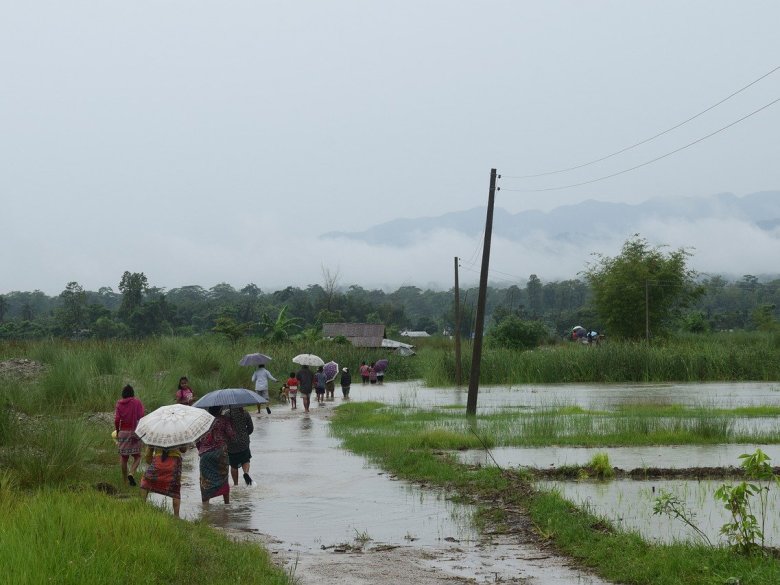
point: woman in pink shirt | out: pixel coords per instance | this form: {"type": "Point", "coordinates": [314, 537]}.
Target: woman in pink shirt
{"type": "Point", "coordinates": [128, 412]}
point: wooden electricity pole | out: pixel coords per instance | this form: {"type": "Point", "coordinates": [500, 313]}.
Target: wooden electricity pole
{"type": "Point", "coordinates": [476, 355]}
{"type": "Point", "coordinates": [458, 373]}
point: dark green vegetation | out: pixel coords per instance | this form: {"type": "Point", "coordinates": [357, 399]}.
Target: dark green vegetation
{"type": "Point", "coordinates": [410, 445]}
{"type": "Point", "coordinates": [613, 297]}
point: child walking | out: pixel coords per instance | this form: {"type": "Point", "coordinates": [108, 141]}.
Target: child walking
{"type": "Point", "coordinates": [292, 390]}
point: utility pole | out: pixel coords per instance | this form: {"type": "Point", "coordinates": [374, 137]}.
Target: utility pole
{"type": "Point", "coordinates": [476, 355]}
{"type": "Point", "coordinates": [458, 373]}
{"type": "Point", "coordinates": [647, 310]}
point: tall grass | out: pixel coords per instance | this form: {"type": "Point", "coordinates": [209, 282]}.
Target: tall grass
{"type": "Point", "coordinates": [85, 538]}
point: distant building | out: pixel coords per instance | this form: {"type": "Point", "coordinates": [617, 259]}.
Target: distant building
{"type": "Point", "coordinates": [358, 334]}
{"type": "Point", "coordinates": [371, 335]}
{"type": "Point", "coordinates": [408, 333]}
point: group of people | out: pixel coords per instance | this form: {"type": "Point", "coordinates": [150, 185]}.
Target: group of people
{"type": "Point", "coordinates": [222, 451]}
{"type": "Point", "coordinates": [370, 374]}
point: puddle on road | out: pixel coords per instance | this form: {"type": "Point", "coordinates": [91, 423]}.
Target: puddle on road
{"type": "Point", "coordinates": [628, 458]}
{"type": "Point", "coordinates": [629, 504]}
{"type": "Point", "coordinates": [309, 493]}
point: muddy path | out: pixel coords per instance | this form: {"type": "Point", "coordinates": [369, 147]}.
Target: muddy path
{"type": "Point", "coordinates": [329, 517]}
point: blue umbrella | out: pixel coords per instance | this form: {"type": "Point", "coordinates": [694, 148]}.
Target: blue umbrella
{"type": "Point", "coordinates": [229, 397]}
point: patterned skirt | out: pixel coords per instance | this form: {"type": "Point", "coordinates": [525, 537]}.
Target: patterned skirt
{"type": "Point", "coordinates": [214, 474]}
{"type": "Point", "coordinates": [128, 443]}
{"type": "Point", "coordinates": [163, 477]}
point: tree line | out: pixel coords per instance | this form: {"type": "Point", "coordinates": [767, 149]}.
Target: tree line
{"type": "Point", "coordinates": [622, 296]}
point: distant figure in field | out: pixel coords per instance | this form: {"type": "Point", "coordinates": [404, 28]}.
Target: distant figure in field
{"type": "Point", "coordinates": [346, 382]}
{"type": "Point", "coordinates": [129, 410]}
{"type": "Point", "coordinates": [305, 384]}
{"type": "Point", "coordinates": [238, 450]}
{"type": "Point", "coordinates": [261, 378]}
{"type": "Point", "coordinates": [363, 372]}
{"type": "Point", "coordinates": [184, 394]}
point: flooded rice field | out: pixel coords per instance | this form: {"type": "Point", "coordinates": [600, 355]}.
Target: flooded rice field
{"type": "Point", "coordinates": [331, 517]}
{"type": "Point", "coordinates": [588, 396]}
{"type": "Point", "coordinates": [628, 504]}
{"type": "Point", "coordinates": [628, 458]}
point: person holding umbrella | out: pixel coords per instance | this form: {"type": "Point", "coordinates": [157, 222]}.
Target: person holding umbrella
{"type": "Point", "coordinates": [238, 448]}
{"type": "Point", "coordinates": [129, 410]}
{"type": "Point", "coordinates": [305, 384]}
{"type": "Point", "coordinates": [212, 449]}
{"type": "Point", "coordinates": [166, 432]}
{"type": "Point", "coordinates": [260, 378]}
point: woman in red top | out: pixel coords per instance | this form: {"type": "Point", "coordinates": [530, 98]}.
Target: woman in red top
{"type": "Point", "coordinates": [129, 410]}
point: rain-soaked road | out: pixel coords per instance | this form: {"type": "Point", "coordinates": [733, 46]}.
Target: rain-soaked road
{"type": "Point", "coordinates": [310, 498]}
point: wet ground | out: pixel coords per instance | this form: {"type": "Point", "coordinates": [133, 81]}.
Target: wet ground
{"type": "Point", "coordinates": [330, 517]}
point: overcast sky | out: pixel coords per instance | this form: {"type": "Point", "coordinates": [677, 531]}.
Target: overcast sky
{"type": "Point", "coordinates": [206, 142]}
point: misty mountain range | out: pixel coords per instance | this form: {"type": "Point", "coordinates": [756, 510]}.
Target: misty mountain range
{"type": "Point", "coordinates": [567, 223]}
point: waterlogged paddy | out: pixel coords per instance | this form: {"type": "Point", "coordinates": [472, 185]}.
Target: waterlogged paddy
{"type": "Point", "coordinates": [629, 504]}
{"type": "Point", "coordinates": [628, 458]}
{"type": "Point", "coordinates": [587, 396]}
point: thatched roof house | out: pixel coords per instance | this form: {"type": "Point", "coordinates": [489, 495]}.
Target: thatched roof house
{"type": "Point", "coordinates": [358, 334]}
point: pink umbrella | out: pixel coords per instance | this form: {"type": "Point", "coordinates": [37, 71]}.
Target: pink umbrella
{"type": "Point", "coordinates": [380, 365]}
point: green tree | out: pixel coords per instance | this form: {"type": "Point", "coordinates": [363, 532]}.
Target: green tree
{"type": "Point", "coordinates": [641, 285]}
{"type": "Point", "coordinates": [534, 291]}
{"type": "Point", "coordinates": [515, 333]}
{"type": "Point", "coordinates": [229, 328]}
{"type": "Point", "coordinates": [3, 308]}
{"type": "Point", "coordinates": [132, 286]}
{"type": "Point", "coordinates": [72, 315]}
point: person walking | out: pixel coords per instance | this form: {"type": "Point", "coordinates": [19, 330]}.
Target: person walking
{"type": "Point", "coordinates": [261, 378]}
{"type": "Point", "coordinates": [346, 382]}
{"type": "Point", "coordinates": [212, 449]}
{"type": "Point", "coordinates": [238, 450]}
{"type": "Point", "coordinates": [184, 394]}
{"type": "Point", "coordinates": [319, 385]}
{"type": "Point", "coordinates": [163, 474]}
{"type": "Point", "coordinates": [128, 411]}
{"type": "Point", "coordinates": [371, 374]}
{"type": "Point", "coordinates": [292, 390]}
{"type": "Point", "coordinates": [305, 383]}
{"type": "Point", "coordinates": [363, 370]}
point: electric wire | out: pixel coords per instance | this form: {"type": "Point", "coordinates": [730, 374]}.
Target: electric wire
{"type": "Point", "coordinates": [649, 162]}
{"type": "Point", "coordinates": [646, 140]}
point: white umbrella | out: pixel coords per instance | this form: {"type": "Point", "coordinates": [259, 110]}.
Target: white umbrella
{"type": "Point", "coordinates": [308, 359]}
{"type": "Point", "coordinates": [176, 424]}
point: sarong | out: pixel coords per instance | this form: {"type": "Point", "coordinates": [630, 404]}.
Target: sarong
{"type": "Point", "coordinates": [214, 474]}
{"type": "Point", "coordinates": [163, 477]}
{"type": "Point", "coordinates": [128, 443]}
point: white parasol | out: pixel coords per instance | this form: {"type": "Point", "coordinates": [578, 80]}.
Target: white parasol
{"type": "Point", "coordinates": [176, 424]}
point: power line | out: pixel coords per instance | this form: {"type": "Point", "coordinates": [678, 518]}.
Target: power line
{"type": "Point", "coordinates": [644, 164]}
{"type": "Point", "coordinates": [646, 140]}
